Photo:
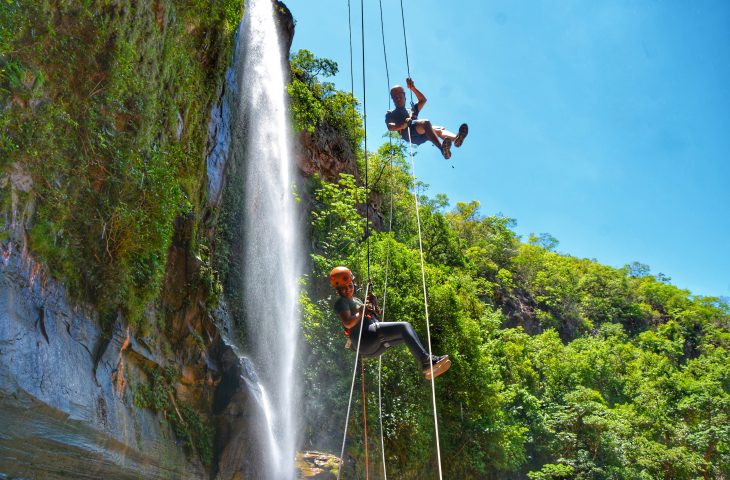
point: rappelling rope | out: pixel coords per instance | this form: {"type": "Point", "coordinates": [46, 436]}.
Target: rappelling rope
{"type": "Point", "coordinates": [385, 299]}
{"type": "Point", "coordinates": [385, 52]}
{"type": "Point", "coordinates": [420, 247]}
{"type": "Point", "coordinates": [380, 409]}
{"type": "Point", "coordinates": [390, 142]}
{"type": "Point", "coordinates": [349, 22]}
{"type": "Point", "coordinates": [425, 302]}
{"type": "Point", "coordinates": [352, 93]}
{"type": "Point", "coordinates": [365, 419]}
{"type": "Point", "coordinates": [352, 388]}
{"type": "Point", "coordinates": [367, 222]}
{"type": "Point", "coordinates": [405, 42]}
{"type": "Point", "coordinates": [387, 254]}
{"type": "Point", "coordinates": [365, 136]}
{"type": "Point", "coordinates": [367, 235]}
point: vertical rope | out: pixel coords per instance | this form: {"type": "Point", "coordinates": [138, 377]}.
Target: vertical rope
{"type": "Point", "coordinates": [358, 247]}
{"type": "Point", "coordinates": [380, 409]}
{"type": "Point", "coordinates": [380, 358]}
{"type": "Point", "coordinates": [365, 125]}
{"type": "Point", "coordinates": [365, 419]}
{"type": "Point", "coordinates": [349, 24]}
{"type": "Point", "coordinates": [390, 143]}
{"type": "Point", "coordinates": [425, 303]}
{"type": "Point", "coordinates": [387, 253]}
{"type": "Point", "coordinates": [385, 53]}
{"type": "Point", "coordinates": [352, 389]}
{"type": "Point", "coordinates": [420, 246]}
{"type": "Point", "coordinates": [387, 247]}
{"type": "Point", "coordinates": [405, 42]}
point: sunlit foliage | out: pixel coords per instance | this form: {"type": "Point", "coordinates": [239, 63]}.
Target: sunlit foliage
{"type": "Point", "coordinates": [563, 368]}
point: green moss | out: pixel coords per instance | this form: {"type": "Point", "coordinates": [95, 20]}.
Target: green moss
{"type": "Point", "coordinates": [155, 394]}
{"type": "Point", "coordinates": [209, 279]}
{"type": "Point", "coordinates": [194, 430]}
{"type": "Point", "coordinates": [198, 340]}
{"type": "Point", "coordinates": [6, 201]}
{"type": "Point", "coordinates": [189, 424]}
{"type": "Point", "coordinates": [93, 94]}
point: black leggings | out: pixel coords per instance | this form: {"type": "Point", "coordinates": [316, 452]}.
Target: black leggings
{"type": "Point", "coordinates": [379, 336]}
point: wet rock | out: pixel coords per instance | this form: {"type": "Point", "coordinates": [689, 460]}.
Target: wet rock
{"type": "Point", "coordinates": [241, 419]}
{"type": "Point", "coordinates": [19, 211]}
{"type": "Point", "coordinates": [20, 178]}
{"type": "Point", "coordinates": [219, 127]}
{"type": "Point", "coordinates": [219, 140]}
{"type": "Point", "coordinates": [62, 413]}
{"type": "Point", "coordinates": [317, 466]}
{"type": "Point", "coordinates": [285, 23]}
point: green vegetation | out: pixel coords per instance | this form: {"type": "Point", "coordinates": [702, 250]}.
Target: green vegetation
{"type": "Point", "coordinates": [563, 368]}
{"type": "Point", "coordinates": [107, 106]}
{"type": "Point", "coordinates": [335, 222]}
{"type": "Point", "coordinates": [158, 395]}
{"type": "Point", "coordinates": [317, 104]}
{"type": "Point", "coordinates": [209, 279]}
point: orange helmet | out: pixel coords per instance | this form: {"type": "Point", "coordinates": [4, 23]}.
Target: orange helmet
{"type": "Point", "coordinates": [340, 277]}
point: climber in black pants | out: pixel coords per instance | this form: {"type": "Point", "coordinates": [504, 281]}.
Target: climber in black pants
{"type": "Point", "coordinates": [378, 336]}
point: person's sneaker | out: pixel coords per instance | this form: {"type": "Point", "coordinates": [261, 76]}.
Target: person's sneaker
{"type": "Point", "coordinates": [440, 365]}
{"type": "Point", "coordinates": [463, 132]}
{"type": "Point", "coordinates": [446, 148]}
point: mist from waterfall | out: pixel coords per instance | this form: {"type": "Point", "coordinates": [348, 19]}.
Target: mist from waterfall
{"type": "Point", "coordinates": [271, 232]}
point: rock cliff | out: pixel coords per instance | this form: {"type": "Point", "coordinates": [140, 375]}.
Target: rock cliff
{"type": "Point", "coordinates": [89, 394]}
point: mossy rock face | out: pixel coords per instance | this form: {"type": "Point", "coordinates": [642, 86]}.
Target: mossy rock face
{"type": "Point", "coordinates": [317, 465]}
{"type": "Point", "coordinates": [106, 105]}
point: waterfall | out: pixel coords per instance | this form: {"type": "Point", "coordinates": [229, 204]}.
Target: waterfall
{"type": "Point", "coordinates": [271, 230]}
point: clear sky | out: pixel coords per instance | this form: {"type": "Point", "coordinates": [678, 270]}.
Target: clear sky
{"type": "Point", "coordinates": [603, 123]}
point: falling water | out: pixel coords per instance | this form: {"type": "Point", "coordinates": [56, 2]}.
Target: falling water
{"type": "Point", "coordinates": [271, 265]}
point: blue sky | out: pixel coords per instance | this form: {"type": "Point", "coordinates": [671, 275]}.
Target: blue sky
{"type": "Point", "coordinates": [603, 123]}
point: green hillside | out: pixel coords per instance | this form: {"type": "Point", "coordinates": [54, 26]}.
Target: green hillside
{"type": "Point", "coordinates": [563, 368]}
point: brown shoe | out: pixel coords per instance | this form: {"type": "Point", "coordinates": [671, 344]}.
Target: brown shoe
{"type": "Point", "coordinates": [463, 132]}
{"type": "Point", "coordinates": [446, 148]}
{"type": "Point", "coordinates": [440, 365]}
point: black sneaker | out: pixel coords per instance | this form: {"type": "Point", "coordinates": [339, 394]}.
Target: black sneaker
{"type": "Point", "coordinates": [440, 365]}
